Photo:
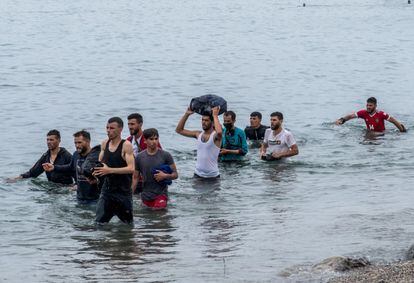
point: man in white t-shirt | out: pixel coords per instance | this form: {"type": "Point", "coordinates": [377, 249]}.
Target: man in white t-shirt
{"type": "Point", "coordinates": [278, 143]}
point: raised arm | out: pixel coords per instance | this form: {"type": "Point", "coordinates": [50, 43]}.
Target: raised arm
{"type": "Point", "coordinates": [348, 117]}
{"type": "Point", "coordinates": [397, 124]}
{"type": "Point", "coordinates": [217, 126]}
{"type": "Point", "coordinates": [181, 124]}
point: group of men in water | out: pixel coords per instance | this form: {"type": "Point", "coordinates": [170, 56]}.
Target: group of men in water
{"type": "Point", "coordinates": [111, 172]}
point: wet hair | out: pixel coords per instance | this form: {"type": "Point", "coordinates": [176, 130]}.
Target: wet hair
{"type": "Point", "coordinates": [231, 114]}
{"type": "Point", "coordinates": [277, 114]}
{"type": "Point", "coordinates": [210, 117]}
{"type": "Point", "coordinates": [116, 120]}
{"type": "Point", "coordinates": [83, 133]}
{"type": "Point", "coordinates": [54, 132]}
{"type": "Point", "coordinates": [149, 133]}
{"type": "Point", "coordinates": [256, 114]}
{"type": "Point", "coordinates": [372, 100]}
{"type": "Point", "coordinates": [136, 116]}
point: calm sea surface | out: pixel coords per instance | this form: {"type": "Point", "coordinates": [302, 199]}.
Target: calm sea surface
{"type": "Point", "coordinates": [73, 64]}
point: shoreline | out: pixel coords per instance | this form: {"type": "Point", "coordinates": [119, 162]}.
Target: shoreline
{"type": "Point", "coordinates": [393, 272]}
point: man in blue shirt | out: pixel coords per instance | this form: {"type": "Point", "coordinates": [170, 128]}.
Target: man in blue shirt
{"type": "Point", "coordinates": [234, 145]}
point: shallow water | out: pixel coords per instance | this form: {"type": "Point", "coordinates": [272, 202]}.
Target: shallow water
{"type": "Point", "coordinates": [73, 65]}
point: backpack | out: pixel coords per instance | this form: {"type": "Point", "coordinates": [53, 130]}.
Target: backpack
{"type": "Point", "coordinates": [203, 104]}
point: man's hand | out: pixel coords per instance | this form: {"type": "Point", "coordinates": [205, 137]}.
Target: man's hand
{"type": "Point", "coordinates": [189, 111]}
{"type": "Point", "coordinates": [159, 176]}
{"type": "Point", "coordinates": [276, 155]}
{"type": "Point", "coordinates": [13, 179]}
{"type": "Point", "coordinates": [102, 171]}
{"type": "Point", "coordinates": [215, 110]}
{"type": "Point", "coordinates": [73, 188]}
{"type": "Point", "coordinates": [224, 151]}
{"type": "Point", "coordinates": [48, 167]}
{"type": "Point", "coordinates": [340, 121]}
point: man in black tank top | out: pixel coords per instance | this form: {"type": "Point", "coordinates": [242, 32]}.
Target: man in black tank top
{"type": "Point", "coordinates": [118, 165]}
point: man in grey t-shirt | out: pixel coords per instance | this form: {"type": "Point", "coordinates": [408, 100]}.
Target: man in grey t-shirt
{"type": "Point", "coordinates": [157, 168]}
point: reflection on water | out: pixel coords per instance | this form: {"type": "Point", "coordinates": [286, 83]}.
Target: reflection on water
{"type": "Point", "coordinates": [69, 67]}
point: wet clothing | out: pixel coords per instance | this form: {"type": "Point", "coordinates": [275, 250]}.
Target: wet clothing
{"type": "Point", "coordinates": [234, 139]}
{"type": "Point", "coordinates": [139, 144]}
{"type": "Point", "coordinates": [374, 122]}
{"type": "Point", "coordinates": [110, 205]}
{"type": "Point", "coordinates": [282, 142]}
{"type": "Point", "coordinates": [145, 163]}
{"type": "Point", "coordinates": [63, 157]}
{"type": "Point", "coordinates": [160, 202]}
{"type": "Point", "coordinates": [255, 134]}
{"type": "Point", "coordinates": [207, 157]}
{"type": "Point", "coordinates": [116, 194]}
{"type": "Point", "coordinates": [85, 190]}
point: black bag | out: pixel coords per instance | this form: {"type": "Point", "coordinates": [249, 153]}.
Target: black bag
{"type": "Point", "coordinates": [203, 104]}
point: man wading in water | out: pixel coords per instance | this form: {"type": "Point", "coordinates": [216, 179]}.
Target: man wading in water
{"type": "Point", "coordinates": [374, 119]}
{"type": "Point", "coordinates": [54, 155]}
{"type": "Point", "coordinates": [118, 166]}
{"type": "Point", "coordinates": [208, 143]}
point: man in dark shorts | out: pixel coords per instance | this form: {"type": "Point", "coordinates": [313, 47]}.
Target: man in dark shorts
{"type": "Point", "coordinates": [256, 131]}
{"type": "Point", "coordinates": [118, 166]}
{"type": "Point", "coordinates": [157, 168]}
{"type": "Point", "coordinates": [55, 155]}
{"type": "Point", "coordinates": [374, 119]}
{"type": "Point", "coordinates": [87, 191]}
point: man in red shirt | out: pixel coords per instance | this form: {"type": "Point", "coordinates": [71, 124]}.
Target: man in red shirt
{"type": "Point", "coordinates": [374, 119]}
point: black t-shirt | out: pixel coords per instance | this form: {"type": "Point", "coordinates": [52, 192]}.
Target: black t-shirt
{"type": "Point", "coordinates": [255, 134]}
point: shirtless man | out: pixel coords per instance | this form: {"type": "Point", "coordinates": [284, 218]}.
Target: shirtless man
{"type": "Point", "coordinates": [208, 143]}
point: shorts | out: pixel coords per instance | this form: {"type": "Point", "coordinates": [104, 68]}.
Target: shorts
{"type": "Point", "coordinates": [160, 202]}
{"type": "Point", "coordinates": [110, 205]}
{"type": "Point", "coordinates": [206, 178]}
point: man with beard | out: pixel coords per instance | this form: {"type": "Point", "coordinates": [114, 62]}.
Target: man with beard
{"type": "Point", "coordinates": [117, 159]}
{"type": "Point", "coordinates": [208, 143]}
{"type": "Point", "coordinates": [278, 143]}
{"type": "Point", "coordinates": [87, 191]}
{"type": "Point", "coordinates": [136, 138]}
{"type": "Point", "coordinates": [234, 145]}
{"type": "Point", "coordinates": [55, 155]}
{"type": "Point", "coordinates": [374, 119]}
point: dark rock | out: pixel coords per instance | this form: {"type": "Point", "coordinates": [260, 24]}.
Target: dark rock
{"type": "Point", "coordinates": [340, 264]}
{"type": "Point", "coordinates": [410, 253]}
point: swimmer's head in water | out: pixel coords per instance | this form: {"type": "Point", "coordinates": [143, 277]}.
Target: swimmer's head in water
{"type": "Point", "coordinates": [114, 127]}
{"type": "Point", "coordinates": [53, 139]}
{"type": "Point", "coordinates": [206, 122]}
{"type": "Point", "coordinates": [255, 119]}
{"type": "Point", "coordinates": [276, 120]}
{"type": "Point", "coordinates": [371, 105]}
{"type": "Point", "coordinates": [82, 140]}
{"type": "Point", "coordinates": [151, 138]}
{"type": "Point", "coordinates": [134, 123]}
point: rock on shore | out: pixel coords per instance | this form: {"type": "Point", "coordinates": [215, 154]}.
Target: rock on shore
{"type": "Point", "coordinates": [395, 272]}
